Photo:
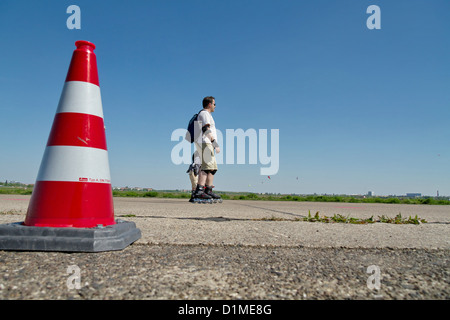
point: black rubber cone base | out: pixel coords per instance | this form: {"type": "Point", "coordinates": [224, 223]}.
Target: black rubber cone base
{"type": "Point", "coordinates": [16, 236]}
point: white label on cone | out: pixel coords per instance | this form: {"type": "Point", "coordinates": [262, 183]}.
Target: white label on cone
{"type": "Point", "coordinates": [81, 97]}
{"type": "Point", "coordinates": [81, 164]}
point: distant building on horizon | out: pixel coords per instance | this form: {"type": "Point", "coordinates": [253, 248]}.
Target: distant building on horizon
{"type": "Point", "coordinates": [413, 195]}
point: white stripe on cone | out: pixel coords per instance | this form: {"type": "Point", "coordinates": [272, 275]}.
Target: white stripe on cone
{"type": "Point", "coordinates": [76, 164]}
{"type": "Point", "coordinates": [81, 97]}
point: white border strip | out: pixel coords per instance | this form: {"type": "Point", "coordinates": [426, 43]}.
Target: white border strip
{"type": "Point", "coordinates": [81, 97]}
{"type": "Point", "coordinates": [74, 164]}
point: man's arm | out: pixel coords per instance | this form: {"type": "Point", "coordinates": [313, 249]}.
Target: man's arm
{"type": "Point", "coordinates": [207, 132]}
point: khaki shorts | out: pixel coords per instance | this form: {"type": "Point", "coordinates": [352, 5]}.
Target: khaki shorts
{"type": "Point", "coordinates": [206, 152]}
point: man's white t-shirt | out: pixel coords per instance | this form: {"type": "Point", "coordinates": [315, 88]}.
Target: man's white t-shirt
{"type": "Point", "coordinates": [204, 118]}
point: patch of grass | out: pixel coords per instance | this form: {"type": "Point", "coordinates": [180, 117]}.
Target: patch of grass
{"type": "Point", "coordinates": [28, 189]}
{"type": "Point", "coordinates": [21, 191]}
{"type": "Point", "coordinates": [10, 212]}
{"type": "Point", "coordinates": [128, 215]}
{"type": "Point", "coordinates": [151, 194]}
{"type": "Point", "coordinates": [281, 197]}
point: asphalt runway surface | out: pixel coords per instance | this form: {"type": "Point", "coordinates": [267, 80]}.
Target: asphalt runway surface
{"type": "Point", "coordinates": [242, 250]}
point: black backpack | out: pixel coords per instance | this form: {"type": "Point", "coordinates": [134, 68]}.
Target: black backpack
{"type": "Point", "coordinates": [191, 130]}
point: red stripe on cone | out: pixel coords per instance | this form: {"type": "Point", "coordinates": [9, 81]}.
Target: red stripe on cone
{"type": "Point", "coordinates": [70, 204]}
{"type": "Point", "coordinates": [77, 129]}
{"type": "Point", "coordinates": [83, 66]}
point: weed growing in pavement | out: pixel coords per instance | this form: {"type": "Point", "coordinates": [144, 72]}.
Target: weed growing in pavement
{"type": "Point", "coordinates": [383, 219]}
{"type": "Point", "coordinates": [338, 218]}
{"type": "Point", "coordinates": [273, 218]}
{"type": "Point", "coordinates": [399, 220]}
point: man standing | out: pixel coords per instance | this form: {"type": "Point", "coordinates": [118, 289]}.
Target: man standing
{"type": "Point", "coordinates": [206, 144]}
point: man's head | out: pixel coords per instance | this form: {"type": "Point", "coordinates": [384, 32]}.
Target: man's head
{"type": "Point", "coordinates": [209, 103]}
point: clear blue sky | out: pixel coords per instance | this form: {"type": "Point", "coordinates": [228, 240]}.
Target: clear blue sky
{"type": "Point", "coordinates": [356, 109]}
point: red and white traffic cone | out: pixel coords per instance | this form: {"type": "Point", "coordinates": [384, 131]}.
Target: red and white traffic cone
{"type": "Point", "coordinates": [71, 207]}
{"type": "Point", "coordinates": [73, 186]}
